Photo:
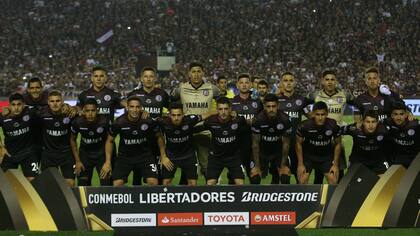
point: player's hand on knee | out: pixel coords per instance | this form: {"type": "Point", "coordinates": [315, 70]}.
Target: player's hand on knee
{"type": "Point", "coordinates": [301, 171]}
{"type": "Point", "coordinates": [3, 153]}
{"type": "Point", "coordinates": [145, 114]}
{"type": "Point", "coordinates": [106, 170]}
{"type": "Point", "coordinates": [284, 170]}
{"type": "Point", "coordinates": [334, 170]}
{"type": "Point", "coordinates": [255, 171]}
{"type": "Point", "coordinates": [167, 163]}
{"type": "Point", "coordinates": [78, 167]}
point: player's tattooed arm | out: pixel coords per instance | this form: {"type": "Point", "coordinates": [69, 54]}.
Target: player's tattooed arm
{"type": "Point", "coordinates": [79, 167]}
{"type": "Point", "coordinates": [337, 151]}
{"type": "Point", "coordinates": [109, 147]}
{"type": "Point", "coordinates": [256, 170]}
{"type": "Point", "coordinates": [301, 170]}
{"type": "Point", "coordinates": [284, 168]}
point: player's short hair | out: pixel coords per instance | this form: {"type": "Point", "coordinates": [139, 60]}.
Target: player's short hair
{"type": "Point", "coordinates": [263, 82]}
{"type": "Point", "coordinates": [98, 67]}
{"type": "Point", "coordinates": [372, 70]}
{"type": "Point", "coordinates": [224, 100]}
{"type": "Point", "coordinates": [287, 73]}
{"type": "Point", "coordinates": [15, 97]}
{"type": "Point", "coordinates": [148, 68]}
{"type": "Point", "coordinates": [195, 64]}
{"type": "Point", "coordinates": [244, 75]}
{"type": "Point", "coordinates": [35, 80]}
{"type": "Point", "coordinates": [270, 98]}
{"type": "Point", "coordinates": [91, 101]}
{"type": "Point", "coordinates": [320, 106]}
{"type": "Point", "coordinates": [220, 78]}
{"type": "Point", "coordinates": [371, 114]}
{"type": "Point", "coordinates": [399, 106]}
{"type": "Point", "coordinates": [176, 105]}
{"type": "Point", "coordinates": [133, 98]}
{"type": "Point", "coordinates": [328, 72]}
{"type": "Point", "coordinates": [55, 93]}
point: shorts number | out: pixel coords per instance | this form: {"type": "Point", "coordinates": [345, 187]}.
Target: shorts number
{"type": "Point", "coordinates": [243, 169]}
{"type": "Point", "coordinates": [154, 167]}
{"type": "Point", "coordinates": [386, 165]}
{"type": "Point", "coordinates": [35, 167]}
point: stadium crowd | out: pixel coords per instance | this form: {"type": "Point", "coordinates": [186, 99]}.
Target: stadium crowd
{"type": "Point", "coordinates": [56, 41]}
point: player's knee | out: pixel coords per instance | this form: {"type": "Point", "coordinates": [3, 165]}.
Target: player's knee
{"type": "Point", "coordinates": [152, 181]}
{"type": "Point", "coordinates": [70, 182]}
{"type": "Point", "coordinates": [192, 182]}
{"type": "Point", "coordinates": [118, 182]}
{"type": "Point", "coordinates": [30, 178]}
{"type": "Point", "coordinates": [166, 182]}
{"type": "Point", "coordinates": [239, 181]}
{"type": "Point", "coordinates": [285, 179]}
{"type": "Point", "coordinates": [256, 179]}
{"type": "Point", "coordinates": [211, 182]}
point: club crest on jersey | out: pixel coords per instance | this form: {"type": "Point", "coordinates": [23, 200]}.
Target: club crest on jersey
{"type": "Point", "coordinates": [245, 108]}
{"type": "Point", "coordinates": [66, 120]}
{"type": "Point", "coordinates": [100, 130]}
{"type": "Point", "coordinates": [328, 132]}
{"type": "Point", "coordinates": [254, 105]}
{"type": "Point", "coordinates": [57, 124]}
{"type": "Point", "coordinates": [135, 132]}
{"type": "Point", "coordinates": [185, 127]}
{"type": "Point", "coordinates": [107, 98]}
{"type": "Point", "coordinates": [411, 132]}
{"type": "Point", "coordinates": [206, 92]}
{"type": "Point", "coordinates": [225, 132]}
{"type": "Point", "coordinates": [91, 133]}
{"type": "Point", "coordinates": [289, 105]}
{"type": "Point", "coordinates": [280, 126]}
{"type": "Point", "coordinates": [380, 137]}
{"type": "Point", "coordinates": [158, 98]}
{"type": "Point", "coordinates": [25, 118]}
{"type": "Point", "coordinates": [298, 102]}
{"type": "Point", "coordinates": [16, 124]}
{"type": "Point", "coordinates": [148, 101]}
{"type": "Point", "coordinates": [234, 126]}
{"type": "Point", "coordinates": [144, 127]}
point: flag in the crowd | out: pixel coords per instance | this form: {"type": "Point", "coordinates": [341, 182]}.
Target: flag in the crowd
{"type": "Point", "coordinates": [107, 35]}
{"type": "Point", "coordinates": [380, 57]}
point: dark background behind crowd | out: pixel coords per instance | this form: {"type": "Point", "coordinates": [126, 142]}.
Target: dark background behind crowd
{"type": "Point", "coordinates": [56, 40]}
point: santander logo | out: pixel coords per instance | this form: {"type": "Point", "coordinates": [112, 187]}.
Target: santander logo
{"type": "Point", "coordinates": [180, 219]}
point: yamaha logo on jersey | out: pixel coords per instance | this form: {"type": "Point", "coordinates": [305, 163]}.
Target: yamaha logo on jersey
{"type": "Point", "coordinates": [158, 98]}
{"type": "Point", "coordinates": [148, 101]}
{"type": "Point", "coordinates": [234, 126]}
{"type": "Point", "coordinates": [328, 132]}
{"type": "Point", "coordinates": [245, 108]}
{"type": "Point", "coordinates": [107, 98]}
{"type": "Point", "coordinates": [380, 137]}
{"type": "Point", "coordinates": [16, 125]}
{"type": "Point", "coordinates": [225, 132]}
{"type": "Point", "coordinates": [298, 102]}
{"type": "Point", "coordinates": [177, 132]}
{"type": "Point", "coordinates": [206, 92]}
{"type": "Point", "coordinates": [411, 132]}
{"type": "Point", "coordinates": [66, 120]}
{"type": "Point", "coordinates": [289, 105]}
{"type": "Point", "coordinates": [144, 127]}
{"type": "Point", "coordinates": [280, 126]}
{"type": "Point", "coordinates": [57, 124]}
{"type": "Point", "coordinates": [254, 105]}
{"type": "Point", "coordinates": [135, 132]}
{"type": "Point", "coordinates": [91, 133]}
{"type": "Point", "coordinates": [25, 118]}
{"type": "Point", "coordinates": [185, 127]}
{"type": "Point", "coordinates": [100, 130]}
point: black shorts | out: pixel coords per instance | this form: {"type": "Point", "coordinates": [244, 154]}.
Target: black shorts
{"type": "Point", "coordinates": [147, 168]}
{"type": "Point", "coordinates": [404, 160]}
{"type": "Point", "coordinates": [28, 162]}
{"type": "Point", "coordinates": [322, 164]}
{"type": "Point", "coordinates": [91, 160]}
{"type": "Point", "coordinates": [62, 160]}
{"type": "Point", "coordinates": [269, 162]}
{"type": "Point", "coordinates": [378, 167]}
{"type": "Point", "coordinates": [217, 164]}
{"type": "Point", "coordinates": [187, 165]}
